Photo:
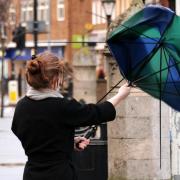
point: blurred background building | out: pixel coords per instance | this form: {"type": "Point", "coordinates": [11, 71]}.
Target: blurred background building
{"type": "Point", "coordinates": [62, 23]}
{"type": "Point", "coordinates": [76, 31]}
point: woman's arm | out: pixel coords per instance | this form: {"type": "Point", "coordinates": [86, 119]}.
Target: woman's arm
{"type": "Point", "coordinates": [78, 115]}
{"type": "Point", "coordinates": [121, 95]}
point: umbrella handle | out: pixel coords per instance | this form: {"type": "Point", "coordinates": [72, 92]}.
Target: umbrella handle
{"type": "Point", "coordinates": [93, 128]}
{"type": "Point", "coordinates": [130, 84]}
{"type": "Point", "coordinates": [90, 133]}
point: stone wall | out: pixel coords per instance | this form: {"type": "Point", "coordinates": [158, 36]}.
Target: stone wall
{"type": "Point", "coordinates": [101, 89]}
{"type": "Point", "coordinates": [134, 137]}
{"type": "Point", "coordinates": [84, 82]}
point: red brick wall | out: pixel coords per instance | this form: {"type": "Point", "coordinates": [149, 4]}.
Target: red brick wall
{"type": "Point", "coordinates": [58, 28]}
{"type": "Point", "coordinates": [76, 17]}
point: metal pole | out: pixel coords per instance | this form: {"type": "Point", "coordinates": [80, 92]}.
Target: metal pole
{"type": "Point", "coordinates": [104, 125]}
{"type": "Point", "coordinates": [108, 20]}
{"type": "Point", "coordinates": [2, 82]}
{"type": "Point", "coordinates": [35, 26]}
{"type": "Point", "coordinates": [12, 69]}
{"type": "Point", "coordinates": [49, 26]}
{"type": "Point", "coordinates": [3, 38]}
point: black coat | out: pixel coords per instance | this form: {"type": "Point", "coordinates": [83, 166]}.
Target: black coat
{"type": "Point", "coordinates": [46, 131]}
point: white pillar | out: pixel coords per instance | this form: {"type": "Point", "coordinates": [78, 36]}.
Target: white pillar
{"type": "Point", "coordinates": [178, 8]}
{"type": "Point", "coordinates": [134, 137]}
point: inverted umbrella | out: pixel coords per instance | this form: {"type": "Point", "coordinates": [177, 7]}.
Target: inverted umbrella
{"type": "Point", "coordinates": [147, 50]}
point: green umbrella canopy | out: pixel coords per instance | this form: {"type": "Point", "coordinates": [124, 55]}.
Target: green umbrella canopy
{"type": "Point", "coordinates": [146, 48]}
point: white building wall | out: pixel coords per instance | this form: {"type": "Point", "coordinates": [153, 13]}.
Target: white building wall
{"type": "Point", "coordinates": [175, 142]}
{"type": "Point", "coordinates": [177, 7]}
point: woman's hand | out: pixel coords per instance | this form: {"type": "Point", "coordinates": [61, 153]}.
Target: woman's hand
{"type": "Point", "coordinates": [80, 143]}
{"type": "Point", "coordinates": [123, 92]}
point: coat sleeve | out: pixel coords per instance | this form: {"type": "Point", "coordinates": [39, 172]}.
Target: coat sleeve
{"type": "Point", "coordinates": [77, 114]}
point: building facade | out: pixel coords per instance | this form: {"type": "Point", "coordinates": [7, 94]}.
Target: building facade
{"type": "Point", "coordinates": [131, 145]}
{"type": "Point", "coordinates": [62, 23]}
{"type": "Point", "coordinates": [134, 139]}
{"type": "Point", "coordinates": [59, 20]}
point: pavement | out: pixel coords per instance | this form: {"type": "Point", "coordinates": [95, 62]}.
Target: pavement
{"type": "Point", "coordinates": [12, 157]}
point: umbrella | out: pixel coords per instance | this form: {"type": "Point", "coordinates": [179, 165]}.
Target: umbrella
{"type": "Point", "coordinates": [147, 50]}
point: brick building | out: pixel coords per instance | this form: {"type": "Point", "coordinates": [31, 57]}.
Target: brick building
{"type": "Point", "coordinates": [63, 20]}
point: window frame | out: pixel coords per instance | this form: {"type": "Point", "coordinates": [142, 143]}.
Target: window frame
{"type": "Point", "coordinates": [60, 6]}
{"type": "Point", "coordinates": [12, 15]}
{"type": "Point", "coordinates": [97, 9]}
{"type": "Point", "coordinates": [26, 10]}
{"type": "Point", "coordinates": [43, 11]}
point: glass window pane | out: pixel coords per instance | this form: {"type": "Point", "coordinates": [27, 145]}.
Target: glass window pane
{"type": "Point", "coordinates": [60, 2]}
{"type": "Point", "coordinates": [30, 15]}
{"type": "Point", "coordinates": [94, 12]}
{"type": "Point", "coordinates": [60, 10]}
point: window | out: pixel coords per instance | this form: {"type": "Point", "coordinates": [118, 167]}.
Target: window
{"type": "Point", "coordinates": [60, 10]}
{"type": "Point", "coordinates": [26, 10]}
{"type": "Point", "coordinates": [98, 14]}
{"type": "Point", "coordinates": [43, 10]}
{"type": "Point", "coordinates": [12, 15]}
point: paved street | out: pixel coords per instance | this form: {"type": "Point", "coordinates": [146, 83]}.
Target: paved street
{"type": "Point", "coordinates": [12, 156]}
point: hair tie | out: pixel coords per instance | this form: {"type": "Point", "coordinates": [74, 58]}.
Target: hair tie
{"type": "Point", "coordinates": [33, 57]}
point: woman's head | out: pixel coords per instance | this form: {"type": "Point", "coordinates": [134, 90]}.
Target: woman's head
{"type": "Point", "coordinates": [44, 71]}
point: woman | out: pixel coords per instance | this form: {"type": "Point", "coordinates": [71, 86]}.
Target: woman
{"type": "Point", "coordinates": [44, 121]}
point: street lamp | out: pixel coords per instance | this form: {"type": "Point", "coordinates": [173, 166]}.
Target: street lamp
{"type": "Point", "coordinates": [108, 6]}
{"type": "Point", "coordinates": [2, 41]}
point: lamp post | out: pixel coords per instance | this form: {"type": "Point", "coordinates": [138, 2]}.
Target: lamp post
{"type": "Point", "coordinates": [108, 6]}
{"type": "Point", "coordinates": [35, 5]}
{"type": "Point", "coordinates": [2, 39]}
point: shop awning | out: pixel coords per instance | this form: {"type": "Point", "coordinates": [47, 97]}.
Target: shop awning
{"type": "Point", "coordinates": [24, 55]}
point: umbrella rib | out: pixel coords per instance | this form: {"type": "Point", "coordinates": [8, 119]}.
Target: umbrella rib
{"type": "Point", "coordinates": [93, 128]}
{"type": "Point", "coordinates": [110, 90]}
{"type": "Point", "coordinates": [170, 72]}
{"type": "Point", "coordinates": [155, 83]}
{"type": "Point", "coordinates": [160, 105]}
{"type": "Point", "coordinates": [149, 75]}
{"type": "Point", "coordinates": [137, 32]}
{"type": "Point", "coordinates": [159, 44]}
{"type": "Point", "coordinates": [146, 59]}
{"type": "Point", "coordinates": [167, 66]}
{"type": "Point", "coordinates": [157, 90]}
{"type": "Point", "coordinates": [129, 65]}
{"type": "Point", "coordinates": [129, 41]}
{"type": "Point", "coordinates": [106, 41]}
{"type": "Point", "coordinates": [167, 50]}
{"type": "Point", "coordinates": [123, 26]}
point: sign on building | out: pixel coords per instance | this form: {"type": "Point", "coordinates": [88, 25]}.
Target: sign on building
{"type": "Point", "coordinates": [13, 91]}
